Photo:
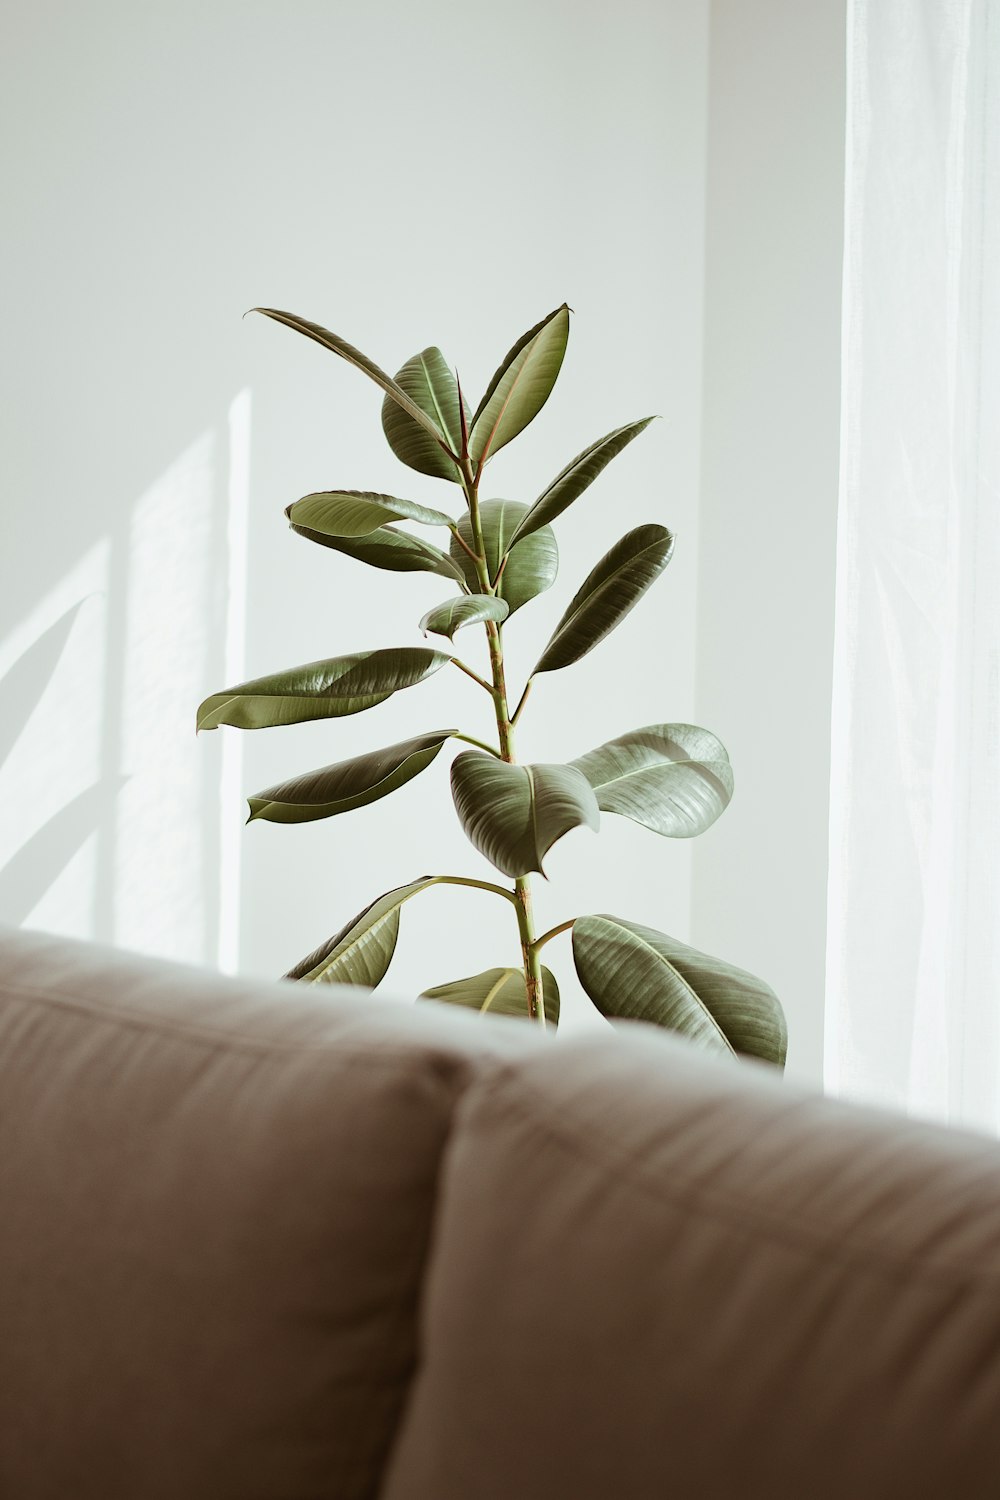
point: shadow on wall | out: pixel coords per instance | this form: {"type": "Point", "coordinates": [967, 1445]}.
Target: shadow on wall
{"type": "Point", "coordinates": [114, 824]}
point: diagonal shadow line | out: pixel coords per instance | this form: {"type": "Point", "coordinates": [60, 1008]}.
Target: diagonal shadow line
{"type": "Point", "coordinates": [36, 866]}
{"type": "Point", "coordinates": [24, 683]}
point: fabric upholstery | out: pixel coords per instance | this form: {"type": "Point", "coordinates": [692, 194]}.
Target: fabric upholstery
{"type": "Point", "coordinates": [659, 1276]}
{"type": "Point", "coordinates": [215, 1199]}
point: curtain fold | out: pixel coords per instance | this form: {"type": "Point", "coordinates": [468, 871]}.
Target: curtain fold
{"type": "Point", "coordinates": [913, 963]}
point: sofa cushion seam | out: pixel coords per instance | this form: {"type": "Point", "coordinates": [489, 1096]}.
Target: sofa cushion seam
{"type": "Point", "coordinates": [391, 1050]}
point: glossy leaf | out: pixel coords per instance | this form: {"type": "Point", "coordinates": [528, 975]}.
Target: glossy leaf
{"type": "Point", "coordinates": [635, 973]}
{"type": "Point", "coordinates": [532, 565]}
{"type": "Point", "coordinates": [521, 386]}
{"type": "Point", "coordinates": [578, 476]}
{"type": "Point", "coordinates": [360, 361]}
{"type": "Point", "coordinates": [431, 385]}
{"type": "Point", "coordinates": [348, 784]}
{"type": "Point", "coordinates": [608, 594]}
{"type": "Point", "coordinates": [501, 992]}
{"type": "Point", "coordinates": [396, 551]}
{"type": "Point", "coordinates": [470, 609]}
{"type": "Point", "coordinates": [361, 952]}
{"type": "Point", "coordinates": [513, 814]}
{"type": "Point", "coordinates": [673, 778]}
{"type": "Point", "coordinates": [320, 689]}
{"type": "Point", "coordinates": [357, 512]}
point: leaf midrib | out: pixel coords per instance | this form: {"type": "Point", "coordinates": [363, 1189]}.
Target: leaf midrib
{"type": "Point", "coordinates": [523, 356]}
{"type": "Point", "coordinates": [680, 978]}
{"type": "Point", "coordinates": [442, 420]}
{"type": "Point", "coordinates": [596, 593]}
{"type": "Point", "coordinates": [495, 989]}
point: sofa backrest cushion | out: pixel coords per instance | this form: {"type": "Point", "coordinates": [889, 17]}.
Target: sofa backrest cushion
{"type": "Point", "coordinates": [655, 1275]}
{"type": "Point", "coordinates": [215, 1199]}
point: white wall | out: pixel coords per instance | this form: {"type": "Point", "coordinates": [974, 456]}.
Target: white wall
{"type": "Point", "coordinates": [770, 424]}
{"type": "Point", "coordinates": [409, 174]}
{"type": "Point", "coordinates": [406, 174]}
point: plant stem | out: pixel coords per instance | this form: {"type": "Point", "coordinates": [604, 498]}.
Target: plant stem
{"type": "Point", "coordinates": [533, 982]}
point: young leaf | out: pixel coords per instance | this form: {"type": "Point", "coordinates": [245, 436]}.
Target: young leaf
{"type": "Point", "coordinates": [348, 784]}
{"type": "Point", "coordinates": [521, 386]}
{"type": "Point", "coordinates": [514, 814]}
{"type": "Point", "coordinates": [608, 594]}
{"type": "Point", "coordinates": [431, 385]}
{"type": "Point", "coordinates": [396, 551]}
{"type": "Point", "coordinates": [360, 361]}
{"type": "Point", "coordinates": [357, 512]}
{"type": "Point", "coordinates": [501, 992]}
{"type": "Point", "coordinates": [470, 609]}
{"type": "Point", "coordinates": [577, 476]}
{"type": "Point", "coordinates": [320, 689]}
{"type": "Point", "coordinates": [636, 973]}
{"type": "Point", "coordinates": [532, 565]}
{"type": "Point", "coordinates": [673, 778]}
{"type": "Point", "coordinates": [361, 952]}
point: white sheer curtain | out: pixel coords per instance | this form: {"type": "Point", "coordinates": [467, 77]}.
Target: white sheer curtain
{"type": "Point", "coordinates": [913, 994]}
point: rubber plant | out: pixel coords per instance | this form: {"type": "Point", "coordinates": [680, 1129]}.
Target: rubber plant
{"type": "Point", "coordinates": [674, 779]}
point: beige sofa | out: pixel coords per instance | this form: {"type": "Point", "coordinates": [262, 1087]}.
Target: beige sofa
{"type": "Point", "coordinates": [266, 1241]}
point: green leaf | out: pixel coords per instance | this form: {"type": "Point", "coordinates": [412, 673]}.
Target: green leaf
{"type": "Point", "coordinates": [636, 973]}
{"type": "Point", "coordinates": [430, 384]}
{"type": "Point", "coordinates": [361, 952]}
{"type": "Point", "coordinates": [578, 476]}
{"type": "Point", "coordinates": [396, 551]}
{"type": "Point", "coordinates": [349, 784]}
{"type": "Point", "coordinates": [470, 609]}
{"type": "Point", "coordinates": [514, 814]}
{"type": "Point", "coordinates": [521, 386]}
{"type": "Point", "coordinates": [502, 992]}
{"type": "Point", "coordinates": [320, 689]}
{"type": "Point", "coordinates": [673, 778]}
{"type": "Point", "coordinates": [608, 594]}
{"type": "Point", "coordinates": [360, 361]}
{"type": "Point", "coordinates": [357, 512]}
{"type": "Point", "coordinates": [532, 565]}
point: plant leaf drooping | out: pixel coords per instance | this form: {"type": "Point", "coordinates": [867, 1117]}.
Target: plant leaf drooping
{"type": "Point", "coordinates": [514, 814]}
{"type": "Point", "coordinates": [361, 952]}
{"type": "Point", "coordinates": [500, 992]}
{"type": "Point", "coordinates": [320, 689]}
{"type": "Point", "coordinates": [357, 512]}
{"type": "Point", "coordinates": [360, 361]}
{"type": "Point", "coordinates": [349, 784]}
{"type": "Point", "coordinates": [385, 547]}
{"type": "Point", "coordinates": [468, 609]}
{"type": "Point", "coordinates": [674, 779]}
{"type": "Point", "coordinates": [634, 973]}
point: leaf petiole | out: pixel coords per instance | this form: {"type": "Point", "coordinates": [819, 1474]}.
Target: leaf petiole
{"type": "Point", "coordinates": [523, 700]}
{"type": "Point", "coordinates": [463, 543]}
{"type": "Point", "coordinates": [552, 932]}
{"type": "Point", "coordinates": [474, 675]}
{"type": "Point", "coordinates": [480, 744]}
{"type": "Point", "coordinates": [479, 885]}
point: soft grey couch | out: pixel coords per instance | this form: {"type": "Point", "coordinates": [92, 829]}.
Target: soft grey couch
{"type": "Point", "coordinates": [266, 1241]}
